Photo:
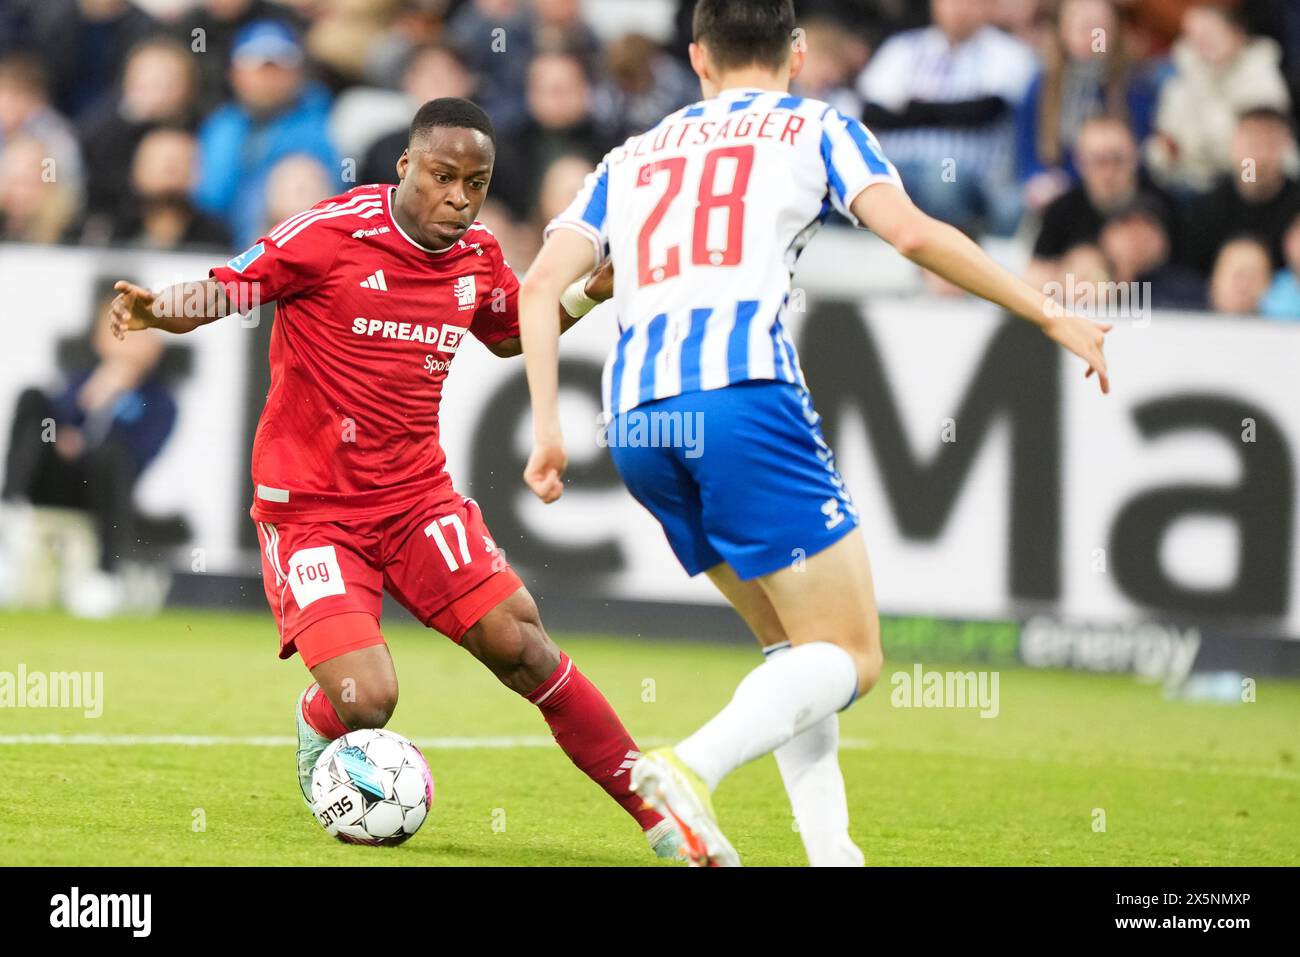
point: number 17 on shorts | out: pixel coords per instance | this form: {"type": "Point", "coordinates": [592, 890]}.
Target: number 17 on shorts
{"type": "Point", "coordinates": [451, 571]}
{"type": "Point", "coordinates": [448, 532]}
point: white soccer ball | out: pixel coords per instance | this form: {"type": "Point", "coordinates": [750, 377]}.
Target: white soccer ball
{"type": "Point", "coordinates": [371, 787]}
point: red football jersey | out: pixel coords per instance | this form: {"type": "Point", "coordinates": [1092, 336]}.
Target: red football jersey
{"type": "Point", "coordinates": [366, 325]}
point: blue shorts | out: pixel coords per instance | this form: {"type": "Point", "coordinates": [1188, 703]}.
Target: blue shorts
{"type": "Point", "coordinates": [740, 475]}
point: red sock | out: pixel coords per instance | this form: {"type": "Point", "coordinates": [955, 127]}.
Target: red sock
{"type": "Point", "coordinates": [320, 715]}
{"type": "Point", "coordinates": [591, 734]}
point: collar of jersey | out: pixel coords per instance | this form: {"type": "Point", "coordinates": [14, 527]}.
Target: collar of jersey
{"type": "Point", "coordinates": [388, 209]}
{"type": "Point", "coordinates": [734, 91]}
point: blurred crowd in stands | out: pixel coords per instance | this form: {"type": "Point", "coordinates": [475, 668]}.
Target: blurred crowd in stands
{"type": "Point", "coordinates": [1127, 140]}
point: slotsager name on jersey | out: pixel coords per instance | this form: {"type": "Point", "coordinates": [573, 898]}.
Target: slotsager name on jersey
{"type": "Point", "coordinates": [782, 126]}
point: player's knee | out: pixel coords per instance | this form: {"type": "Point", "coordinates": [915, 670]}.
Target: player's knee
{"type": "Point", "coordinates": [535, 657]}
{"type": "Point", "coordinates": [870, 663]}
{"type": "Point", "coordinates": [862, 643]}
{"type": "Point", "coordinates": [368, 704]}
{"type": "Point", "coordinates": [868, 654]}
{"type": "Point", "coordinates": [511, 641]}
{"type": "Point", "coordinates": [368, 715]}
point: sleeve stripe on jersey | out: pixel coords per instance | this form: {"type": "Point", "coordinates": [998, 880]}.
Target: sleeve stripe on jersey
{"type": "Point", "coordinates": [289, 224]}
{"type": "Point", "coordinates": [870, 152]}
{"type": "Point", "coordinates": [297, 218]}
{"type": "Point", "coordinates": [584, 229]}
{"type": "Point", "coordinates": [364, 210]}
{"type": "Point", "coordinates": [278, 231]}
{"type": "Point", "coordinates": [594, 214]}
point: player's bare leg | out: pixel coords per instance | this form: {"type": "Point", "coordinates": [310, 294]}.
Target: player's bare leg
{"type": "Point", "coordinates": [361, 687]}
{"type": "Point", "coordinates": [831, 598]}
{"type": "Point", "coordinates": [353, 690]}
{"type": "Point", "coordinates": [512, 643]}
{"type": "Point", "coordinates": [752, 604]}
{"type": "Point", "coordinates": [809, 762]}
{"type": "Point", "coordinates": [827, 609]}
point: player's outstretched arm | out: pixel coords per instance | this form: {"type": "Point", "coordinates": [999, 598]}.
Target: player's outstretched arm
{"type": "Point", "coordinates": [566, 256]}
{"type": "Point", "coordinates": [946, 251]}
{"type": "Point", "coordinates": [179, 308]}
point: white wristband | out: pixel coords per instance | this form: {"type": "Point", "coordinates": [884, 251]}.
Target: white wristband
{"type": "Point", "coordinates": [575, 300]}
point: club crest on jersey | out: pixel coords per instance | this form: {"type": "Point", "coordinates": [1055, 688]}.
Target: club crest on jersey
{"type": "Point", "coordinates": [247, 257]}
{"type": "Point", "coordinates": [465, 292]}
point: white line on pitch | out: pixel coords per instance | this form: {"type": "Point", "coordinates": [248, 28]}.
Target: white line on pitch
{"type": "Point", "coordinates": [541, 741]}
{"type": "Point", "coordinates": [271, 741]}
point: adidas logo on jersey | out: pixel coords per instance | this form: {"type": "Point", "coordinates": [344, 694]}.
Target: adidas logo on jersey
{"type": "Point", "coordinates": [375, 281]}
{"type": "Point", "coordinates": [376, 231]}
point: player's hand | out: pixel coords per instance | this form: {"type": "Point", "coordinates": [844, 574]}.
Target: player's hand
{"type": "Point", "coordinates": [132, 309]}
{"type": "Point", "coordinates": [545, 471]}
{"type": "Point", "coordinates": [1084, 338]}
{"type": "Point", "coordinates": [600, 285]}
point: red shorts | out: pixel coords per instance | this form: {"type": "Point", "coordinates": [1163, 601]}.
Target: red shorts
{"type": "Point", "coordinates": [435, 557]}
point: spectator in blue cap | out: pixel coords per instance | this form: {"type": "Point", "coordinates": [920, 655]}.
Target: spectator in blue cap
{"type": "Point", "coordinates": [276, 111]}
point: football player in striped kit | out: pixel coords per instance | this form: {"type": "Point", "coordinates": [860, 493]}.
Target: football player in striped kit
{"type": "Point", "coordinates": [703, 218]}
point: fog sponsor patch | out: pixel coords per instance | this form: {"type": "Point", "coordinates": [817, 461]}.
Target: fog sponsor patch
{"type": "Point", "coordinates": [314, 573]}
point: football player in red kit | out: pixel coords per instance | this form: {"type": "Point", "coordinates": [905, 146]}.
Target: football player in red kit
{"type": "Point", "coordinates": [376, 290]}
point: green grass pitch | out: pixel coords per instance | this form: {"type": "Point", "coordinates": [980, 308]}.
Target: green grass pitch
{"type": "Point", "coordinates": [1178, 782]}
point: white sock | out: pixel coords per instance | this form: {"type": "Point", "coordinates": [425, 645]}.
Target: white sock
{"type": "Point", "coordinates": [776, 701]}
{"type": "Point", "coordinates": [810, 768]}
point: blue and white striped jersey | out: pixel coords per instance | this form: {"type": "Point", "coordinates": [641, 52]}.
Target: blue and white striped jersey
{"type": "Point", "coordinates": [705, 216]}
